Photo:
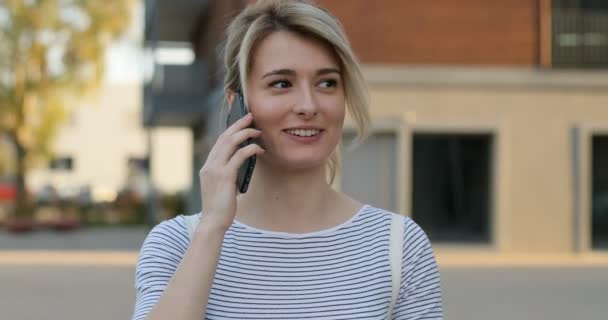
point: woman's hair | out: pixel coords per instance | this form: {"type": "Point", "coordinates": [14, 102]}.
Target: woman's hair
{"type": "Point", "coordinates": [302, 17]}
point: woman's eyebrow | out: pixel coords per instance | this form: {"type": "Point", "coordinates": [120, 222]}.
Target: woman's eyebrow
{"type": "Point", "coordinates": [327, 71]}
{"type": "Point", "coordinates": [281, 72]}
{"type": "Point", "coordinates": [289, 72]}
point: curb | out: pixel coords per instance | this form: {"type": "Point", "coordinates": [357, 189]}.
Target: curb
{"type": "Point", "coordinates": [68, 258]}
{"type": "Point", "coordinates": [498, 260]}
{"type": "Point", "coordinates": [445, 259]}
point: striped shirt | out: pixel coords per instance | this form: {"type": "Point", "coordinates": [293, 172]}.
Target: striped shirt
{"type": "Point", "coordinates": [338, 273]}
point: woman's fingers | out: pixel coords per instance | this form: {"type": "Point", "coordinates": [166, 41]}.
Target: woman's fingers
{"type": "Point", "coordinates": [226, 144]}
{"type": "Point", "coordinates": [242, 154]}
{"type": "Point", "coordinates": [240, 124]}
{"type": "Point", "coordinates": [218, 174]}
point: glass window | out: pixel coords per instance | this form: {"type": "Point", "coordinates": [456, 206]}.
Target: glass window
{"type": "Point", "coordinates": [599, 192]}
{"type": "Point", "coordinates": [452, 186]}
{"type": "Point", "coordinates": [580, 33]}
{"type": "Point", "coordinates": [62, 164]}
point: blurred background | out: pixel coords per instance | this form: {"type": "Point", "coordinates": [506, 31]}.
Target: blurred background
{"type": "Point", "coordinates": [489, 129]}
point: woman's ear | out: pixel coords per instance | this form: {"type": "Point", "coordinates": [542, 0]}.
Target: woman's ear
{"type": "Point", "coordinates": [229, 96]}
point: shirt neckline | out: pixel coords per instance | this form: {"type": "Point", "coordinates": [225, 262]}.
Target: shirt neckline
{"type": "Point", "coordinates": [302, 235]}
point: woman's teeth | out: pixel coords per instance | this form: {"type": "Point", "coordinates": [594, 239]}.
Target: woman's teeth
{"type": "Point", "coordinates": [303, 133]}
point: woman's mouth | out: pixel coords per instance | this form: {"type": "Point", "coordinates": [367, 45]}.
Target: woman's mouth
{"type": "Point", "coordinates": [303, 132]}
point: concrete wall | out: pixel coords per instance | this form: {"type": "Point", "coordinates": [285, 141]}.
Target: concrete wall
{"type": "Point", "coordinates": [533, 121]}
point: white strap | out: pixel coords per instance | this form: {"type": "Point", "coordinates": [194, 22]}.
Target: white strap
{"type": "Point", "coordinates": [191, 223]}
{"type": "Point", "coordinates": [395, 252]}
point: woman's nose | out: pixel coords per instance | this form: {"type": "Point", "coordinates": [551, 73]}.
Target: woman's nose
{"type": "Point", "coordinates": [306, 106]}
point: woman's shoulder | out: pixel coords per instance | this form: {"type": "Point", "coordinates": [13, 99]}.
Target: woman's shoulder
{"type": "Point", "coordinates": [161, 252]}
{"type": "Point", "coordinates": [175, 225]}
{"type": "Point", "coordinates": [378, 212]}
{"type": "Point", "coordinates": [413, 233]}
{"type": "Point", "coordinates": [170, 233]}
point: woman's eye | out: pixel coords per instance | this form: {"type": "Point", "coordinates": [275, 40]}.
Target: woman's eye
{"type": "Point", "coordinates": [328, 83]}
{"type": "Point", "coordinates": [280, 84]}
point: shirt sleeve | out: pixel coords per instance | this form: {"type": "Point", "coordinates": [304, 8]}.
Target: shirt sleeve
{"type": "Point", "coordinates": [420, 292]}
{"type": "Point", "coordinates": [159, 257]}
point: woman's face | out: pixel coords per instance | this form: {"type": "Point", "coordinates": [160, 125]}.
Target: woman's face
{"type": "Point", "coordinates": [296, 96]}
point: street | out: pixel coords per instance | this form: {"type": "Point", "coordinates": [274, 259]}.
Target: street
{"type": "Point", "coordinates": [526, 293]}
{"type": "Point", "coordinates": [79, 292]}
{"type": "Point", "coordinates": [88, 274]}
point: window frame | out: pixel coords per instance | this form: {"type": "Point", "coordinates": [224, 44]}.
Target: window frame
{"type": "Point", "coordinates": [582, 175]}
{"type": "Point", "coordinates": [575, 20]}
{"type": "Point", "coordinates": [499, 153]}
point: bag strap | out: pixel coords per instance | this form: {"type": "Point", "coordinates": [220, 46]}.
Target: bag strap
{"type": "Point", "coordinates": [191, 223]}
{"type": "Point", "coordinates": [395, 252]}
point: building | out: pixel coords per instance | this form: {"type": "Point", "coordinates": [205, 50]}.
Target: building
{"type": "Point", "coordinates": [490, 118]}
{"type": "Point", "coordinates": [104, 140]}
{"type": "Point", "coordinates": [104, 147]}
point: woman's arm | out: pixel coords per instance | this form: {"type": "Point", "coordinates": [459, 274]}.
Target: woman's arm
{"type": "Point", "coordinates": [420, 293]}
{"type": "Point", "coordinates": [173, 274]}
{"type": "Point", "coordinates": [184, 294]}
{"type": "Point", "coordinates": [187, 293]}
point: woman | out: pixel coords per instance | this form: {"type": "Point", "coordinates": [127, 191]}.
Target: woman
{"type": "Point", "coordinates": [291, 247]}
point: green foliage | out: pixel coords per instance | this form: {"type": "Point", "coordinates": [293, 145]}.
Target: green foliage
{"type": "Point", "coordinates": [51, 52]}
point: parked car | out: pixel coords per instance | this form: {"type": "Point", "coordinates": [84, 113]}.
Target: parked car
{"type": "Point", "coordinates": [7, 200]}
{"type": "Point", "coordinates": [7, 193]}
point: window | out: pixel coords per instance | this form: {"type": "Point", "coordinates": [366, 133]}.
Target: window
{"type": "Point", "coordinates": [369, 172]}
{"type": "Point", "coordinates": [599, 192]}
{"type": "Point", "coordinates": [580, 33]}
{"type": "Point", "coordinates": [62, 164]}
{"type": "Point", "coordinates": [452, 185]}
{"type": "Point", "coordinates": [139, 163]}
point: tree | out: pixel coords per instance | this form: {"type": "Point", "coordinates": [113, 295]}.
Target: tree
{"type": "Point", "coordinates": [51, 52]}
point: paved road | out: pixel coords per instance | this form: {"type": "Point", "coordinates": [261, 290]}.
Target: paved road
{"type": "Point", "coordinates": [65, 293]}
{"type": "Point", "coordinates": [526, 293]}
{"type": "Point", "coordinates": [76, 290]}
{"type": "Point", "coordinates": [99, 238]}
{"type": "Point", "coordinates": [70, 293]}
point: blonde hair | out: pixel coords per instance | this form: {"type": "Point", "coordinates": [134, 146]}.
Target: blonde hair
{"type": "Point", "coordinates": [258, 20]}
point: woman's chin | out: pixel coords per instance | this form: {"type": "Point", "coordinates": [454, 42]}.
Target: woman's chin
{"type": "Point", "coordinates": [297, 163]}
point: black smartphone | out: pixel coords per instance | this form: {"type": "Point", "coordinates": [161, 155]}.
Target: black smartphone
{"type": "Point", "coordinates": [238, 109]}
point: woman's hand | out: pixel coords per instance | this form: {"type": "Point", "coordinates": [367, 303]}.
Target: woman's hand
{"type": "Point", "coordinates": [218, 174]}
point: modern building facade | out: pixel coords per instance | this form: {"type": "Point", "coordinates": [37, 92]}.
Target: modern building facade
{"type": "Point", "coordinates": [103, 146]}
{"type": "Point", "coordinates": [490, 118]}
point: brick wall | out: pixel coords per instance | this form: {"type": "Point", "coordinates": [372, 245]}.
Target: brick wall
{"type": "Point", "coordinates": [444, 32]}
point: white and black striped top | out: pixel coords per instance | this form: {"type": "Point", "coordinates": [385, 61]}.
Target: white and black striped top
{"type": "Point", "coordinates": [338, 273]}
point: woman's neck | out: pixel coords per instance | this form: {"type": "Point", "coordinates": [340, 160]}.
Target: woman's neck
{"type": "Point", "coordinates": [291, 201]}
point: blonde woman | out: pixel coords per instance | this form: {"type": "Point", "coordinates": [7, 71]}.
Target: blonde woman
{"type": "Point", "coordinates": [291, 247]}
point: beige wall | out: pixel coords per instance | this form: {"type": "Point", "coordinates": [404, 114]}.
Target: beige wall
{"type": "Point", "coordinates": [105, 131]}
{"type": "Point", "coordinates": [534, 168]}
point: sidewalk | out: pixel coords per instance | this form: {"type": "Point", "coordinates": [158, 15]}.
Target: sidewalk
{"type": "Point", "coordinates": [445, 259]}
{"type": "Point", "coordinates": [471, 258]}
{"type": "Point", "coordinates": [100, 292]}
{"type": "Point", "coordinates": [68, 258]}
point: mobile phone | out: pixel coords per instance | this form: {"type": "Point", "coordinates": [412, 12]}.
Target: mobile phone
{"type": "Point", "coordinates": [238, 109]}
